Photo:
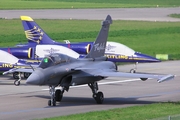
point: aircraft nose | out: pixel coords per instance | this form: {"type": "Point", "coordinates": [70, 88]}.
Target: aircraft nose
{"type": "Point", "coordinates": [146, 58]}
{"type": "Point", "coordinates": [36, 78]}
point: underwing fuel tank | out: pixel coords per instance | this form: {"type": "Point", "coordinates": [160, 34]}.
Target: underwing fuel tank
{"type": "Point", "coordinates": [21, 52]}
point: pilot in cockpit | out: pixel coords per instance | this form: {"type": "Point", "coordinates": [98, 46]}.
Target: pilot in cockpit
{"type": "Point", "coordinates": [52, 60]}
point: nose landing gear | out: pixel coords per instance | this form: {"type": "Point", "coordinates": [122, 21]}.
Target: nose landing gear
{"type": "Point", "coordinates": [56, 95]}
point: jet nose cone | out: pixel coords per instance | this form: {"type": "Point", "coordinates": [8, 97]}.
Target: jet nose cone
{"type": "Point", "coordinates": [35, 78]}
{"type": "Point", "coordinates": [146, 58]}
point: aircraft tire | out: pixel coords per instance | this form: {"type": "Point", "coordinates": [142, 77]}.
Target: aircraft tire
{"type": "Point", "coordinates": [58, 95]}
{"type": "Point", "coordinates": [26, 75]}
{"type": "Point", "coordinates": [15, 75]}
{"type": "Point", "coordinates": [99, 98]}
{"type": "Point", "coordinates": [49, 102]}
{"type": "Point", "coordinates": [53, 104]}
{"type": "Point", "coordinates": [16, 83]}
{"type": "Point", "coordinates": [132, 71]}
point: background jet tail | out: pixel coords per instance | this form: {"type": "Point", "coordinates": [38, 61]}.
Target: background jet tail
{"type": "Point", "coordinates": [34, 33]}
{"type": "Point", "coordinates": [99, 46]}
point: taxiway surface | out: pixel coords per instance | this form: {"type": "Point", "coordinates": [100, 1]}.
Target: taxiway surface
{"type": "Point", "coordinates": [145, 14]}
{"type": "Point", "coordinates": [30, 102]}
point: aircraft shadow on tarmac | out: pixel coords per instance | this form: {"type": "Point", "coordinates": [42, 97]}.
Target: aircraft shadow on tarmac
{"type": "Point", "coordinates": [9, 80]}
{"type": "Point", "coordinates": [79, 101]}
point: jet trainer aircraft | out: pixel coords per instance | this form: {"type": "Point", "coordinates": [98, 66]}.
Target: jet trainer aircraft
{"type": "Point", "coordinates": [39, 44]}
{"type": "Point", "coordinates": [115, 52]}
{"type": "Point", "coordinates": [65, 71]}
{"type": "Point", "coordinates": [10, 63]}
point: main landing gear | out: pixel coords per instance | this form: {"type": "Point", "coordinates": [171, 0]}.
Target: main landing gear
{"type": "Point", "coordinates": [98, 96]}
{"type": "Point", "coordinates": [26, 75]}
{"type": "Point", "coordinates": [56, 95]}
{"type": "Point", "coordinates": [134, 69]}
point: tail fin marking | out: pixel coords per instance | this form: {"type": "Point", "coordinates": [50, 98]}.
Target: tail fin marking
{"type": "Point", "coordinates": [99, 46]}
{"type": "Point", "coordinates": [33, 31]}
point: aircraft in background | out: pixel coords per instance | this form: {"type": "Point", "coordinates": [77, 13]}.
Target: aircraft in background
{"type": "Point", "coordinates": [65, 71]}
{"type": "Point", "coordinates": [39, 44]}
{"type": "Point", "coordinates": [10, 63]}
{"type": "Point", "coordinates": [115, 52]}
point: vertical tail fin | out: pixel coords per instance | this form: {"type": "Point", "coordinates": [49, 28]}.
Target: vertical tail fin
{"type": "Point", "coordinates": [33, 32]}
{"type": "Point", "coordinates": [99, 46]}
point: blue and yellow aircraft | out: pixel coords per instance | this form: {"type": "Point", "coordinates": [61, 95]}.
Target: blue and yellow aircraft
{"type": "Point", "coordinates": [10, 63]}
{"type": "Point", "coordinates": [116, 52]}
{"type": "Point", "coordinates": [40, 44]}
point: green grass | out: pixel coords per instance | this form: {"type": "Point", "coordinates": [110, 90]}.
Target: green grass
{"type": "Point", "coordinates": [59, 4]}
{"type": "Point", "coordinates": [143, 112]}
{"type": "Point", "coordinates": [147, 37]}
{"type": "Point", "coordinates": [175, 15]}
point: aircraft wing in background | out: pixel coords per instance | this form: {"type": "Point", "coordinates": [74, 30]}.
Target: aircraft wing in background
{"type": "Point", "coordinates": [23, 70]}
{"type": "Point", "coordinates": [17, 73]}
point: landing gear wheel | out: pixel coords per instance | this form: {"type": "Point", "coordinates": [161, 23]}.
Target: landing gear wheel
{"type": "Point", "coordinates": [133, 71]}
{"type": "Point", "coordinates": [53, 103]}
{"type": "Point", "coordinates": [16, 75]}
{"type": "Point", "coordinates": [26, 75]}
{"type": "Point", "coordinates": [16, 82]}
{"type": "Point", "coordinates": [49, 102]}
{"type": "Point", "coordinates": [58, 95]}
{"type": "Point", "coordinates": [99, 97]}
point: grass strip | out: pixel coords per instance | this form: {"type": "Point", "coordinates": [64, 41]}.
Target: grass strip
{"type": "Point", "coordinates": [174, 15]}
{"type": "Point", "coordinates": [147, 37]}
{"type": "Point", "coordinates": [59, 4]}
{"type": "Point", "coordinates": [142, 112]}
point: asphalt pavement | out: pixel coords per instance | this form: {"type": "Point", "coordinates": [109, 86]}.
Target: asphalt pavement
{"type": "Point", "coordinates": [30, 102]}
{"type": "Point", "coordinates": [142, 14]}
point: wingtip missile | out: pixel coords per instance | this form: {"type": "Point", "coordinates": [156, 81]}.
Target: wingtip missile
{"type": "Point", "coordinates": [166, 78]}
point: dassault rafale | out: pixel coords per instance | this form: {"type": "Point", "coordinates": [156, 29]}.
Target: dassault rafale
{"type": "Point", "coordinates": [64, 71]}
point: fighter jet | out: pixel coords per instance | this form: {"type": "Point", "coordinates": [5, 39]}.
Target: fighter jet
{"type": "Point", "coordinates": [65, 71]}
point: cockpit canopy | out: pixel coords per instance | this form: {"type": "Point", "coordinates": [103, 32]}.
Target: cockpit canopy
{"type": "Point", "coordinates": [53, 59]}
